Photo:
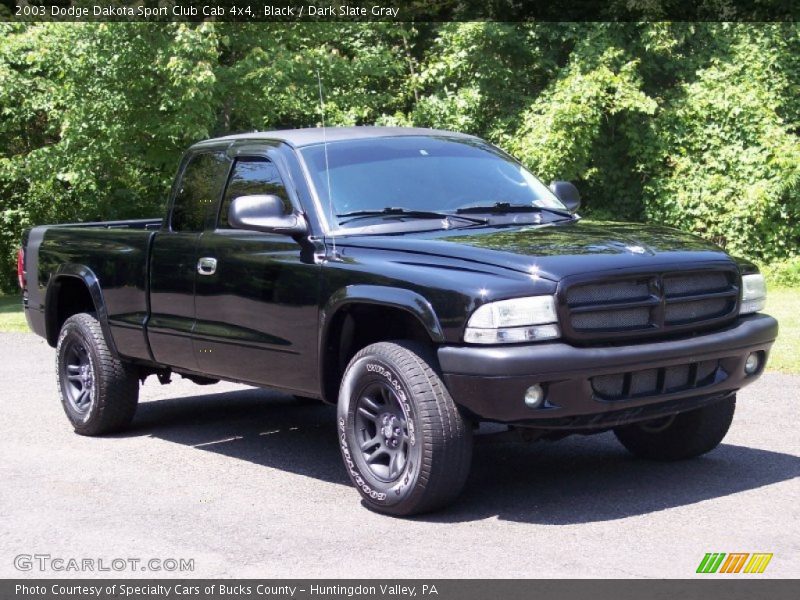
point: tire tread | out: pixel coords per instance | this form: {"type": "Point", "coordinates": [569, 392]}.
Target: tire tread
{"type": "Point", "coordinates": [117, 393]}
{"type": "Point", "coordinates": [447, 456]}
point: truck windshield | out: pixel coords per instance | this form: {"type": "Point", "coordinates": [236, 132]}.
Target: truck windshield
{"type": "Point", "coordinates": [419, 174]}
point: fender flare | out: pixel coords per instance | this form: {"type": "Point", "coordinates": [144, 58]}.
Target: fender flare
{"type": "Point", "coordinates": [390, 297]}
{"type": "Point", "coordinates": [90, 280]}
{"type": "Point", "coordinates": [380, 295]}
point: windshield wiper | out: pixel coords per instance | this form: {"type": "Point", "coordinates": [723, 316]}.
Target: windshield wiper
{"type": "Point", "coordinates": [395, 211]}
{"type": "Point", "coordinates": [499, 208]}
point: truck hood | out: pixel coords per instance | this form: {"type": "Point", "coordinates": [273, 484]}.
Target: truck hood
{"type": "Point", "coordinates": [555, 251]}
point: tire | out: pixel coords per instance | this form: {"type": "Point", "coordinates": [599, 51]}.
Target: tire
{"type": "Point", "coordinates": [685, 435]}
{"type": "Point", "coordinates": [98, 391]}
{"type": "Point", "coordinates": [392, 403]}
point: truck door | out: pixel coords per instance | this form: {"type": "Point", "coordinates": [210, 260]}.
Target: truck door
{"type": "Point", "coordinates": [173, 259]}
{"type": "Point", "coordinates": [257, 311]}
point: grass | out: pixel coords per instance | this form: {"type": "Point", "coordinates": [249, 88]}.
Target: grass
{"type": "Point", "coordinates": [782, 303]}
{"type": "Point", "coordinates": [11, 316]}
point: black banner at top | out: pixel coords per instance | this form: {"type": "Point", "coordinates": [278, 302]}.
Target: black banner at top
{"type": "Point", "coordinates": [397, 10]}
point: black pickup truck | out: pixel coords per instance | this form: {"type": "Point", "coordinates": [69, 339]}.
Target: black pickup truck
{"type": "Point", "coordinates": [421, 280]}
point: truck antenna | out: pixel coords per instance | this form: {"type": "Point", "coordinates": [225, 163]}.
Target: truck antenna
{"type": "Point", "coordinates": [331, 213]}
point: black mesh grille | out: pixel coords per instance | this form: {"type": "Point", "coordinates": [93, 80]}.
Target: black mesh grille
{"type": "Point", "coordinates": [652, 382]}
{"type": "Point", "coordinates": [648, 305]}
{"type": "Point", "coordinates": [634, 317]}
{"type": "Point", "coordinates": [644, 383]}
{"type": "Point", "coordinates": [676, 377]}
{"type": "Point", "coordinates": [608, 292]}
{"type": "Point", "coordinates": [695, 311]}
{"type": "Point", "coordinates": [608, 386]}
{"type": "Point", "coordinates": [696, 283]}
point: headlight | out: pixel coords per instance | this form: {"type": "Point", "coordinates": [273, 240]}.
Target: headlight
{"type": "Point", "coordinates": [529, 319]}
{"type": "Point", "coordinates": [754, 294]}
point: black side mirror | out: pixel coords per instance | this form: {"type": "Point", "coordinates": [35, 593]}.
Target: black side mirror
{"type": "Point", "coordinates": [265, 213]}
{"type": "Point", "coordinates": [567, 193]}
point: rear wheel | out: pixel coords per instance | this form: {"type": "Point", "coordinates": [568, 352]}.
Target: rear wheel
{"type": "Point", "coordinates": [681, 436]}
{"type": "Point", "coordinates": [405, 445]}
{"type": "Point", "coordinates": [98, 391]}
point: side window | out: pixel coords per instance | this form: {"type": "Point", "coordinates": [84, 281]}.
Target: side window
{"type": "Point", "coordinates": [199, 191]}
{"type": "Point", "coordinates": [249, 177]}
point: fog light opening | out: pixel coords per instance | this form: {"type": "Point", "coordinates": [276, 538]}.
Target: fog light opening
{"type": "Point", "coordinates": [753, 363]}
{"type": "Point", "coordinates": [534, 396]}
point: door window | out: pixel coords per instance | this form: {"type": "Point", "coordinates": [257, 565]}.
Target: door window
{"type": "Point", "coordinates": [252, 177]}
{"type": "Point", "coordinates": [199, 191]}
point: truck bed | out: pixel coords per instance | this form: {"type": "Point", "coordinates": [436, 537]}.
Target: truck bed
{"type": "Point", "coordinates": [115, 253]}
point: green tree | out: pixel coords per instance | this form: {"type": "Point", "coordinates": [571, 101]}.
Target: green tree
{"type": "Point", "coordinates": [691, 124]}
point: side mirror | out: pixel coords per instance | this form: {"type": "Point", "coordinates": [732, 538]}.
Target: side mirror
{"type": "Point", "coordinates": [264, 213]}
{"type": "Point", "coordinates": [567, 193]}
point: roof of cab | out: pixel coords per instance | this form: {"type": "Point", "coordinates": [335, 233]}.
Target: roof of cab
{"type": "Point", "coordinates": [317, 135]}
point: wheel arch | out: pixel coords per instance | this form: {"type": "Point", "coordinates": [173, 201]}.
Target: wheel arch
{"type": "Point", "coordinates": [73, 289]}
{"type": "Point", "coordinates": [359, 315]}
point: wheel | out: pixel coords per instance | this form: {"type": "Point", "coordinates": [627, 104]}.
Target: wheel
{"type": "Point", "coordinates": [98, 391]}
{"type": "Point", "coordinates": [404, 443]}
{"type": "Point", "coordinates": [680, 436]}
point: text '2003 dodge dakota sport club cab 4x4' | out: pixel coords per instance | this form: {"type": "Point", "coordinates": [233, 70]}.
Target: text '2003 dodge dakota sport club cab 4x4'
{"type": "Point", "coordinates": [423, 281]}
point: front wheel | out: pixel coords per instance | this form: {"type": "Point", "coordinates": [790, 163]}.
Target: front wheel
{"type": "Point", "coordinates": [681, 436]}
{"type": "Point", "coordinates": [99, 392]}
{"type": "Point", "coordinates": [405, 445]}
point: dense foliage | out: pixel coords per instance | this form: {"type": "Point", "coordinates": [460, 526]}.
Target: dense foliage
{"type": "Point", "coordinates": [693, 125]}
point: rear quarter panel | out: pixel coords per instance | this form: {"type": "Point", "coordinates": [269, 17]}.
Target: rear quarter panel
{"type": "Point", "coordinates": [116, 259]}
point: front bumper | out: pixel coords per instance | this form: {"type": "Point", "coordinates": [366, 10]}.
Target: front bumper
{"type": "Point", "coordinates": [668, 377]}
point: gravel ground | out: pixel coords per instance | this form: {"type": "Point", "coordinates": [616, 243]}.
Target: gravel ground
{"type": "Point", "coordinates": [249, 483]}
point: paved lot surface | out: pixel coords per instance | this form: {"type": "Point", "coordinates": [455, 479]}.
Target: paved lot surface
{"type": "Point", "coordinates": [249, 483]}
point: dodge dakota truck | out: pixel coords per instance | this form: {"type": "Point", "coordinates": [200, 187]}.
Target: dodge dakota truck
{"type": "Point", "coordinates": [423, 281]}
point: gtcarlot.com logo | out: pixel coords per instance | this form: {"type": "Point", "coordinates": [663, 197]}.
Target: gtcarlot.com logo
{"type": "Point", "coordinates": [72, 564]}
{"type": "Point", "coordinates": [734, 562]}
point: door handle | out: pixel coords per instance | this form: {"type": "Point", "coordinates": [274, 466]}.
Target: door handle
{"type": "Point", "coordinates": [207, 265]}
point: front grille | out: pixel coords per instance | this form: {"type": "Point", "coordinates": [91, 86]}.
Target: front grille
{"type": "Point", "coordinates": [652, 382]}
{"type": "Point", "coordinates": [634, 317]}
{"type": "Point", "coordinates": [688, 312]}
{"type": "Point", "coordinates": [695, 283]}
{"type": "Point", "coordinates": [647, 305]}
{"type": "Point", "coordinates": [608, 292]}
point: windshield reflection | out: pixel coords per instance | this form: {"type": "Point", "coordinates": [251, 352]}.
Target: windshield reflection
{"type": "Point", "coordinates": [419, 173]}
